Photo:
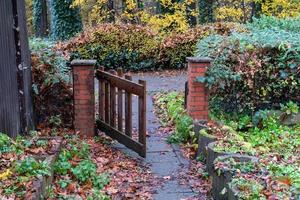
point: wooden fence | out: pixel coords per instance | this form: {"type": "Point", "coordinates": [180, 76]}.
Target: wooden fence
{"type": "Point", "coordinates": [16, 108]}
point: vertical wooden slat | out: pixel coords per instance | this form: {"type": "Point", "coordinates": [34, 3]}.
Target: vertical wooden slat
{"type": "Point", "coordinates": [120, 103]}
{"type": "Point", "coordinates": [142, 117]}
{"type": "Point", "coordinates": [106, 108]}
{"type": "Point", "coordinates": [112, 103]}
{"type": "Point", "coordinates": [10, 122]}
{"type": "Point", "coordinates": [128, 111]}
{"type": "Point", "coordinates": [101, 97]}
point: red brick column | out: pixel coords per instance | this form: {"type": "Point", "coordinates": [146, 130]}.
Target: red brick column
{"type": "Point", "coordinates": [84, 97]}
{"type": "Point", "coordinates": [197, 99]}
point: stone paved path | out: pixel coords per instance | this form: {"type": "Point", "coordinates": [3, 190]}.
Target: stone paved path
{"type": "Point", "coordinates": [165, 160]}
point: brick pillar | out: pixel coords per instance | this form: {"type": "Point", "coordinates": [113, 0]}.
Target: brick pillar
{"type": "Point", "coordinates": [84, 97]}
{"type": "Point", "coordinates": [197, 99]}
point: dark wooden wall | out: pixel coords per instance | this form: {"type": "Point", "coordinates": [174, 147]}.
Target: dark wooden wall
{"type": "Point", "coordinates": [26, 63]}
{"type": "Point", "coordinates": [16, 115]}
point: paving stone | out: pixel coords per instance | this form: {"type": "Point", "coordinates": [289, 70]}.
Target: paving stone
{"type": "Point", "coordinates": [162, 157]}
{"type": "Point", "coordinates": [183, 161]}
{"type": "Point", "coordinates": [172, 196]}
{"type": "Point", "coordinates": [165, 168]}
{"type": "Point", "coordinates": [158, 145]}
{"type": "Point", "coordinates": [173, 186]}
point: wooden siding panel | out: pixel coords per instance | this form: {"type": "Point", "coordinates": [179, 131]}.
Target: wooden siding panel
{"type": "Point", "coordinates": [9, 104]}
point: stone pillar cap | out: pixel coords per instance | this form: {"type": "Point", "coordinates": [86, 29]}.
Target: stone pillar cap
{"type": "Point", "coordinates": [83, 63]}
{"type": "Point", "coordinates": [199, 59]}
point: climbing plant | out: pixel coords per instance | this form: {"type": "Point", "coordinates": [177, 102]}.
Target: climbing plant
{"type": "Point", "coordinates": [65, 19]}
{"type": "Point", "coordinates": [37, 11]}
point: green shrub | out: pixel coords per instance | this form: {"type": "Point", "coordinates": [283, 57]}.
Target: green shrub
{"type": "Point", "coordinates": [30, 167]}
{"type": "Point", "coordinates": [84, 171]}
{"type": "Point", "coordinates": [252, 70]}
{"type": "Point", "coordinates": [264, 22]}
{"type": "Point", "coordinates": [52, 92]}
{"type": "Point", "coordinates": [131, 47]}
{"type": "Point", "coordinates": [172, 104]}
{"type": "Point", "coordinates": [65, 20]}
{"type": "Point", "coordinates": [137, 48]}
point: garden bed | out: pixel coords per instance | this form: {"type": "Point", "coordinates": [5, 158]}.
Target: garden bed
{"type": "Point", "coordinates": [273, 143]}
{"type": "Point", "coordinates": [27, 166]}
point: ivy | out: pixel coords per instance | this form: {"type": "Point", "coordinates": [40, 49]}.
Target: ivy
{"type": "Point", "coordinates": [66, 20]}
{"type": "Point", "coordinates": [37, 12]}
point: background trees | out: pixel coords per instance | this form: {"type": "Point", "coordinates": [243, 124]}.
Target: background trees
{"type": "Point", "coordinates": [161, 15]}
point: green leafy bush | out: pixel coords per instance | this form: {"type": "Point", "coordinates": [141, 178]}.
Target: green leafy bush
{"type": "Point", "coordinates": [84, 171]}
{"type": "Point", "coordinates": [52, 92]}
{"type": "Point", "coordinates": [253, 70]}
{"type": "Point", "coordinates": [62, 166]}
{"type": "Point", "coordinates": [30, 167]}
{"type": "Point", "coordinates": [267, 22]}
{"type": "Point", "coordinates": [137, 48]}
{"type": "Point", "coordinates": [172, 104]}
{"type": "Point", "coordinates": [5, 143]}
{"type": "Point", "coordinates": [131, 47]}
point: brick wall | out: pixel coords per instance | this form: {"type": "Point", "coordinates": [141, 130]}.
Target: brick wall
{"type": "Point", "coordinates": [197, 99]}
{"type": "Point", "coordinates": [84, 97]}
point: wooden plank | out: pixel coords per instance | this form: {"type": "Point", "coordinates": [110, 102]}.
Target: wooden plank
{"type": "Point", "coordinates": [106, 108]}
{"type": "Point", "coordinates": [101, 98]}
{"type": "Point", "coordinates": [26, 64]}
{"type": "Point", "coordinates": [128, 110]}
{"type": "Point", "coordinates": [112, 103]}
{"type": "Point", "coordinates": [120, 103]}
{"type": "Point", "coordinates": [124, 139]}
{"type": "Point", "coordinates": [142, 116]}
{"type": "Point", "coordinates": [10, 121]}
{"type": "Point", "coordinates": [121, 83]}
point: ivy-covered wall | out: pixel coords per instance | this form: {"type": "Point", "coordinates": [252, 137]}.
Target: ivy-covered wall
{"type": "Point", "coordinates": [65, 20]}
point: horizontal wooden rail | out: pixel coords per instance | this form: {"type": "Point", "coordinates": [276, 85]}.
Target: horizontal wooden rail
{"type": "Point", "coordinates": [119, 82]}
{"type": "Point", "coordinates": [122, 138]}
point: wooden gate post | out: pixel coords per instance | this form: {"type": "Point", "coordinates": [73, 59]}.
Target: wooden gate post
{"type": "Point", "coordinates": [197, 98]}
{"type": "Point", "coordinates": [84, 97]}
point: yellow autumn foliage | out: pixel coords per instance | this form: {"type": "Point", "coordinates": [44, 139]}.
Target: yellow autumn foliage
{"type": "Point", "coordinates": [95, 11]}
{"type": "Point", "coordinates": [281, 8]}
{"type": "Point", "coordinates": [240, 10]}
{"type": "Point", "coordinates": [226, 13]}
{"type": "Point", "coordinates": [5, 175]}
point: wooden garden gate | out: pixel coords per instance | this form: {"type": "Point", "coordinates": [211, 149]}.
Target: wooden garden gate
{"type": "Point", "coordinates": [115, 109]}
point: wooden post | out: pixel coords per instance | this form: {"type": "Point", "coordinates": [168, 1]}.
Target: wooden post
{"type": "Point", "coordinates": [84, 97]}
{"type": "Point", "coordinates": [101, 97]}
{"type": "Point", "coordinates": [113, 103]}
{"type": "Point", "coordinates": [128, 110]}
{"type": "Point", "coordinates": [106, 108]}
{"type": "Point", "coordinates": [120, 103]}
{"type": "Point", "coordinates": [142, 117]}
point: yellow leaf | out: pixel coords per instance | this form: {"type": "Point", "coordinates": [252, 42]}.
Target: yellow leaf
{"type": "Point", "coordinates": [5, 175]}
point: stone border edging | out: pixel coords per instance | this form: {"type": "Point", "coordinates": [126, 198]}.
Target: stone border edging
{"type": "Point", "coordinates": [211, 156]}
{"type": "Point", "coordinates": [203, 142]}
{"type": "Point", "coordinates": [42, 184]}
{"type": "Point", "coordinates": [219, 182]}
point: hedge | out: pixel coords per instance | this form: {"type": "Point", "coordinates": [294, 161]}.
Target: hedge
{"type": "Point", "coordinates": [253, 70]}
{"type": "Point", "coordinates": [138, 48]}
